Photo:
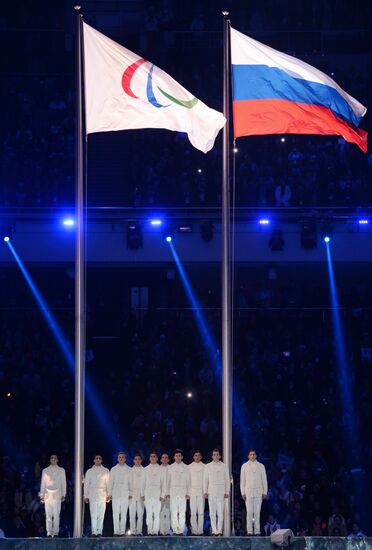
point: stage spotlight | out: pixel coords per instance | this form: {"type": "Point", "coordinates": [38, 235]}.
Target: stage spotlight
{"type": "Point", "coordinates": [236, 149]}
{"type": "Point", "coordinates": [264, 221]}
{"type": "Point", "coordinates": [363, 221]}
{"type": "Point", "coordinates": [326, 230]}
{"type": "Point", "coordinates": [68, 222]}
{"type": "Point", "coordinates": [282, 140]}
{"type": "Point", "coordinates": [276, 242]}
{"type": "Point", "coordinates": [185, 228]}
{"type": "Point", "coordinates": [168, 239]}
{"type": "Point", "coordinates": [199, 170]}
{"type": "Point", "coordinates": [207, 231]}
{"type": "Point", "coordinates": [308, 235]}
{"type": "Point", "coordinates": [134, 235]}
{"type": "Point", "coordinates": [327, 239]}
{"type": "Point", "coordinates": [6, 232]}
{"type": "Point", "coordinates": [189, 395]}
{"type": "Point", "coordinates": [156, 222]}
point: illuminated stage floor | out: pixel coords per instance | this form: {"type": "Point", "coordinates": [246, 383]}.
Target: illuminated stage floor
{"type": "Point", "coordinates": [185, 543]}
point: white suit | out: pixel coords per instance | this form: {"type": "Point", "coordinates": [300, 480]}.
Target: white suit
{"type": "Point", "coordinates": [216, 482]}
{"type": "Point", "coordinates": [253, 484]}
{"type": "Point", "coordinates": [165, 506]}
{"type": "Point", "coordinates": [96, 490]}
{"type": "Point", "coordinates": [153, 488]}
{"type": "Point", "coordinates": [136, 505]}
{"type": "Point", "coordinates": [178, 487]}
{"type": "Point", "coordinates": [197, 501]}
{"type": "Point", "coordinates": [120, 489]}
{"type": "Point", "coordinates": [52, 490]}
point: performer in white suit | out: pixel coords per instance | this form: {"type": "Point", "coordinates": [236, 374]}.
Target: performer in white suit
{"type": "Point", "coordinates": [53, 493]}
{"type": "Point", "coordinates": [96, 494]}
{"type": "Point", "coordinates": [152, 493]}
{"type": "Point", "coordinates": [120, 492]}
{"type": "Point", "coordinates": [135, 504]}
{"type": "Point", "coordinates": [179, 492]}
{"type": "Point", "coordinates": [197, 500]}
{"type": "Point", "coordinates": [165, 506]}
{"type": "Point", "coordinates": [216, 486]}
{"type": "Point", "coordinates": [253, 487]}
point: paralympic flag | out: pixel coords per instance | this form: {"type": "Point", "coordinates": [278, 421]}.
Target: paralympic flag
{"type": "Point", "coordinates": [123, 91]}
{"type": "Point", "coordinates": [274, 93]}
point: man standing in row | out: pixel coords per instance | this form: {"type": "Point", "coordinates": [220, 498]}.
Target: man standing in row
{"type": "Point", "coordinates": [197, 500]}
{"type": "Point", "coordinates": [136, 503]}
{"type": "Point", "coordinates": [152, 493]}
{"type": "Point", "coordinates": [120, 492]}
{"type": "Point", "coordinates": [253, 487]}
{"type": "Point", "coordinates": [96, 494]}
{"type": "Point", "coordinates": [165, 506]}
{"type": "Point", "coordinates": [216, 486]}
{"type": "Point", "coordinates": [53, 493]}
{"type": "Point", "coordinates": [179, 492]}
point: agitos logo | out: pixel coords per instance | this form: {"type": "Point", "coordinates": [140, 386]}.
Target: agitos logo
{"type": "Point", "coordinates": [150, 96]}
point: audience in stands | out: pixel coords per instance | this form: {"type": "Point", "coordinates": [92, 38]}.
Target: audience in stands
{"type": "Point", "coordinates": [294, 416]}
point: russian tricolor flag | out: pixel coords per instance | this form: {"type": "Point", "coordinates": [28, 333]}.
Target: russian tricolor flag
{"type": "Point", "coordinates": [274, 93]}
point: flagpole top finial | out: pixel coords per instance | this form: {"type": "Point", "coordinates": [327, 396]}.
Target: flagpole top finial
{"type": "Point", "coordinates": [77, 8]}
{"type": "Point", "coordinates": [225, 13]}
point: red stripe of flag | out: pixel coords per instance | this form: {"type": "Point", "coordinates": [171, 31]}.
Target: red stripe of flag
{"type": "Point", "coordinates": [278, 116]}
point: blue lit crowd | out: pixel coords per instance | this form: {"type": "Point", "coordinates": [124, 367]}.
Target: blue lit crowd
{"type": "Point", "coordinates": [162, 391]}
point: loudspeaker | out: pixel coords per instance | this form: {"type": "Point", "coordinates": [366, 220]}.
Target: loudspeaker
{"type": "Point", "coordinates": [282, 537]}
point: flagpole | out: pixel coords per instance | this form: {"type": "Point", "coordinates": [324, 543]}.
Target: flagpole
{"type": "Point", "coordinates": [226, 277]}
{"type": "Point", "coordinates": [79, 288]}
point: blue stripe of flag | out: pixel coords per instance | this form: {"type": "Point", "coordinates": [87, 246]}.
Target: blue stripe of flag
{"type": "Point", "coordinates": [263, 82]}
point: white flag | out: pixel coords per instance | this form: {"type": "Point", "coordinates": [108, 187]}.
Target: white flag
{"type": "Point", "coordinates": [124, 92]}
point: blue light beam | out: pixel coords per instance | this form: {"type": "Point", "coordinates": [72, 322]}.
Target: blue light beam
{"type": "Point", "coordinates": [239, 410]}
{"type": "Point", "coordinates": [345, 380]}
{"type": "Point", "coordinates": [65, 348]}
{"type": "Point", "coordinates": [210, 344]}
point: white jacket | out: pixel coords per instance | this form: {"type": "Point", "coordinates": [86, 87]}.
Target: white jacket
{"type": "Point", "coordinates": [216, 479]}
{"type": "Point", "coordinates": [197, 474]}
{"type": "Point", "coordinates": [179, 481]}
{"type": "Point", "coordinates": [137, 475]}
{"type": "Point", "coordinates": [253, 480]}
{"type": "Point", "coordinates": [96, 483]}
{"type": "Point", "coordinates": [53, 481]}
{"type": "Point", "coordinates": [120, 481]}
{"type": "Point", "coordinates": [164, 470]}
{"type": "Point", "coordinates": [153, 482]}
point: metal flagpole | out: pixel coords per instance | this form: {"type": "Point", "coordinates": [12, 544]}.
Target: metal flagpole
{"type": "Point", "coordinates": [79, 288]}
{"type": "Point", "coordinates": [226, 278]}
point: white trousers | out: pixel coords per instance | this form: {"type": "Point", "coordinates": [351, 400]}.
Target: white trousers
{"type": "Point", "coordinates": [253, 505]}
{"type": "Point", "coordinates": [136, 516]}
{"type": "Point", "coordinates": [152, 505]}
{"type": "Point", "coordinates": [97, 513]}
{"type": "Point", "coordinates": [197, 504]}
{"type": "Point", "coordinates": [52, 512]}
{"type": "Point", "coordinates": [216, 508]}
{"type": "Point", "coordinates": [165, 517]}
{"type": "Point", "coordinates": [178, 513]}
{"type": "Point", "coordinates": [119, 514]}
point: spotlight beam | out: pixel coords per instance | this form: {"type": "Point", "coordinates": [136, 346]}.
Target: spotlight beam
{"type": "Point", "coordinates": [64, 347]}
{"type": "Point", "coordinates": [352, 439]}
{"type": "Point", "coordinates": [239, 406]}
{"type": "Point", "coordinates": [208, 339]}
